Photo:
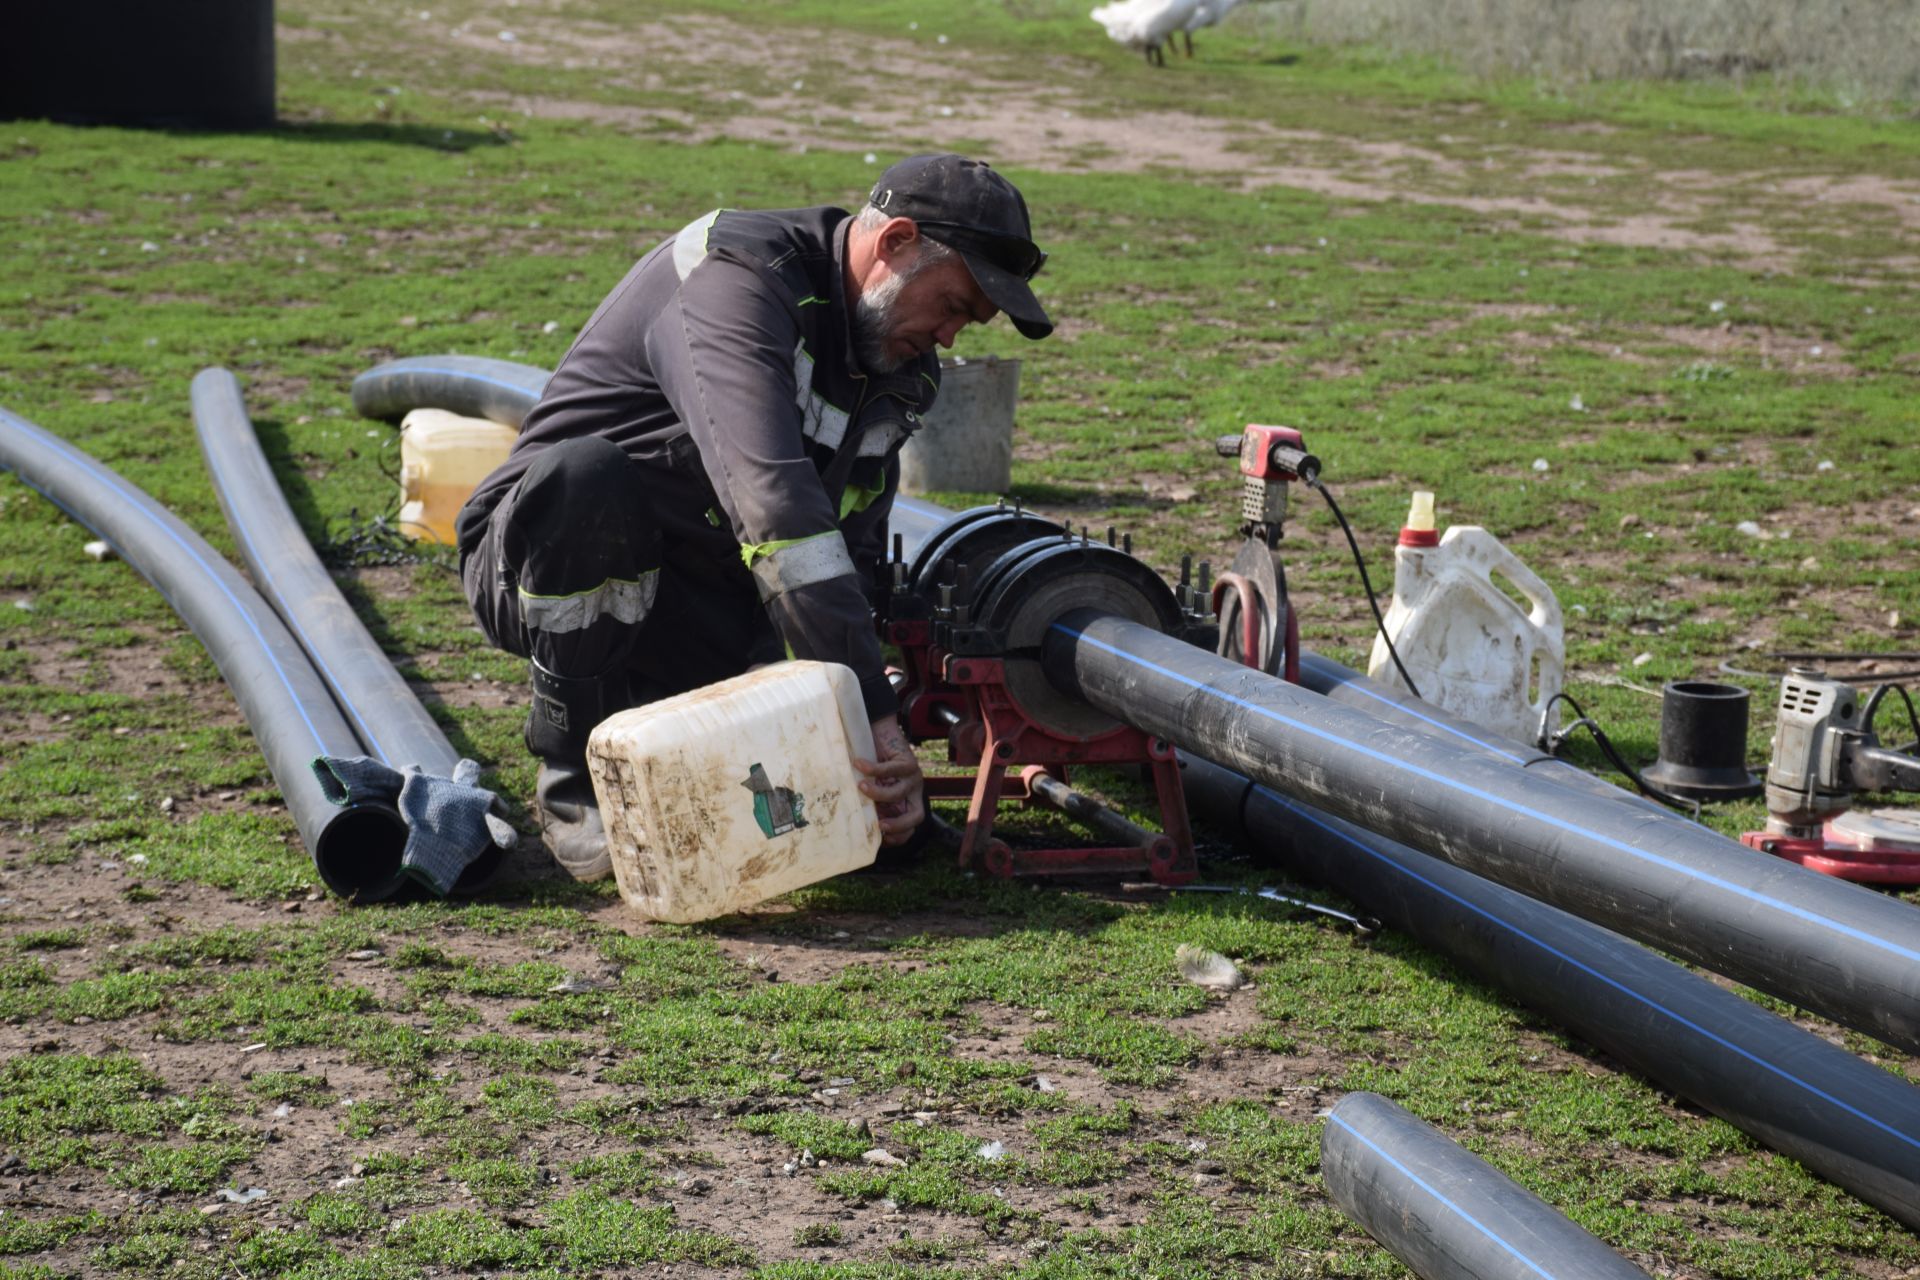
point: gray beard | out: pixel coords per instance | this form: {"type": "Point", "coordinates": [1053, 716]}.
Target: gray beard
{"type": "Point", "coordinates": [873, 321]}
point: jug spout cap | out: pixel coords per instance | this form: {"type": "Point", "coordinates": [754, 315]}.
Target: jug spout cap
{"type": "Point", "coordinates": [1419, 530]}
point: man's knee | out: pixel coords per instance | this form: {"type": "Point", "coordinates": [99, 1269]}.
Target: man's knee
{"type": "Point", "coordinates": [586, 490]}
{"type": "Point", "coordinates": [578, 517]}
{"type": "Point", "coordinates": [570, 563]}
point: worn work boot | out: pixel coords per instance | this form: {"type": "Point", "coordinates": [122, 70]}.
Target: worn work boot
{"type": "Point", "coordinates": [563, 713]}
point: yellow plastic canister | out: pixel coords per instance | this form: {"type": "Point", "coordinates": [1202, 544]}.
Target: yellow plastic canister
{"type": "Point", "coordinates": [443, 458]}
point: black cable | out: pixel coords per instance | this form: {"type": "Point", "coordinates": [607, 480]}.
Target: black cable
{"type": "Point", "coordinates": [1872, 707]}
{"type": "Point", "coordinates": [1609, 751]}
{"type": "Point", "coordinates": [1314, 482]}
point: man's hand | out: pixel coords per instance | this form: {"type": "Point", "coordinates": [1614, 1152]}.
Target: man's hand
{"type": "Point", "coordinates": [893, 782]}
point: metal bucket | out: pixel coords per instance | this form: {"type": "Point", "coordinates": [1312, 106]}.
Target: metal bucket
{"type": "Point", "coordinates": [965, 445]}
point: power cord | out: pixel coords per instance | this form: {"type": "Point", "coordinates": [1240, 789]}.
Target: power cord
{"type": "Point", "coordinates": [1552, 740]}
{"type": "Point", "coordinates": [1360, 561]}
{"type": "Point", "coordinates": [1872, 707]}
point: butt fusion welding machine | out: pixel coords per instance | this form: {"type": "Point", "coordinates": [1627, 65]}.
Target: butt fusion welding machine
{"type": "Point", "coordinates": [968, 614]}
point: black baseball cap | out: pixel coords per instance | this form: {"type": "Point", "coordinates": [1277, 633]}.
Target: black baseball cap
{"type": "Point", "coordinates": [966, 206]}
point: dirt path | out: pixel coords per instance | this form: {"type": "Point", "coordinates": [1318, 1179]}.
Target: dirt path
{"type": "Point", "coordinates": [657, 76]}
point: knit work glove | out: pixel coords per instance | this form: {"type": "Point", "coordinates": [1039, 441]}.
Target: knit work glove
{"type": "Point", "coordinates": [450, 821]}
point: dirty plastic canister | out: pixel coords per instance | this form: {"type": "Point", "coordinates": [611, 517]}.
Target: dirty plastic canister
{"type": "Point", "coordinates": [443, 459]}
{"type": "Point", "coordinates": [1469, 646]}
{"type": "Point", "coordinates": [729, 795]}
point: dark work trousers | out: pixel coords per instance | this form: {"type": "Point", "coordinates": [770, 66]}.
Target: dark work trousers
{"type": "Point", "coordinates": [596, 568]}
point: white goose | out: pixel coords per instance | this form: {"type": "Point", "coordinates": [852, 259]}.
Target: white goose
{"type": "Point", "coordinates": [1206, 14]}
{"type": "Point", "coordinates": [1144, 24]}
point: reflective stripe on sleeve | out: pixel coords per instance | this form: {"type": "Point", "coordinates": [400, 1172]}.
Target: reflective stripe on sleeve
{"type": "Point", "coordinates": [780, 567]}
{"type": "Point", "coordinates": [618, 598]}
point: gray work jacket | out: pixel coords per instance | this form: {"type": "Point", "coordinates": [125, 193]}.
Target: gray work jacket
{"type": "Point", "coordinates": [723, 363]}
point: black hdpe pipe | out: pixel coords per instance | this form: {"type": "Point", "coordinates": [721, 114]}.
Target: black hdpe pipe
{"type": "Point", "coordinates": [286, 704]}
{"type": "Point", "coordinates": [1445, 1212]}
{"type": "Point", "coordinates": [1831, 947]}
{"type": "Point", "coordinates": [379, 706]}
{"type": "Point", "coordinates": [472, 386]}
{"type": "Point", "coordinates": [1845, 1119]}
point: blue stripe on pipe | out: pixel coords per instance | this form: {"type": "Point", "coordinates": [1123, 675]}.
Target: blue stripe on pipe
{"type": "Point", "coordinates": [288, 616]}
{"type": "Point", "coordinates": [133, 497]}
{"type": "Point", "coordinates": [1787, 908]}
{"type": "Point", "coordinates": [1307, 815]}
{"type": "Point", "coordinates": [927, 509]}
{"type": "Point", "coordinates": [1421, 1183]}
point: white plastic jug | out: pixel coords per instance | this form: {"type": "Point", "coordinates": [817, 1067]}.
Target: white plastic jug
{"type": "Point", "coordinates": [732, 794]}
{"type": "Point", "coordinates": [1467, 644]}
{"type": "Point", "coordinates": [443, 459]}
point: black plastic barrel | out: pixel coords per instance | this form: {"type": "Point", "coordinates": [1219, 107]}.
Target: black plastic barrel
{"type": "Point", "coordinates": [1703, 742]}
{"type": "Point", "coordinates": [185, 64]}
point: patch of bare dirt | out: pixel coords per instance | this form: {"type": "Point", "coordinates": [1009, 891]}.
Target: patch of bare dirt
{"type": "Point", "coordinates": [89, 894]}
{"type": "Point", "coordinates": [946, 96]}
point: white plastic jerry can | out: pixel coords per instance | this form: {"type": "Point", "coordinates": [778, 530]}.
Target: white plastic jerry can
{"type": "Point", "coordinates": [720, 798]}
{"type": "Point", "coordinates": [443, 459]}
{"type": "Point", "coordinates": [1469, 645]}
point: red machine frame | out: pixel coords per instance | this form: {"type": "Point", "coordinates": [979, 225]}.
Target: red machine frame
{"type": "Point", "coordinates": [965, 700]}
{"type": "Point", "coordinates": [1890, 864]}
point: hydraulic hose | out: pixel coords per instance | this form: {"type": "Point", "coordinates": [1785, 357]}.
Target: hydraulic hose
{"type": "Point", "coordinates": [473, 386]}
{"type": "Point", "coordinates": [286, 704]}
{"type": "Point", "coordinates": [1826, 945]}
{"type": "Point", "coordinates": [1445, 1212]}
{"type": "Point", "coordinates": [379, 706]}
{"type": "Point", "coordinates": [1845, 1119]}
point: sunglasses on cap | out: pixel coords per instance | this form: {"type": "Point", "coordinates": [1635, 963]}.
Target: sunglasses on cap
{"type": "Point", "coordinates": [1011, 254]}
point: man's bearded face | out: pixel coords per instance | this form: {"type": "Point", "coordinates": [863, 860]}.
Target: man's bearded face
{"type": "Point", "coordinates": [876, 319]}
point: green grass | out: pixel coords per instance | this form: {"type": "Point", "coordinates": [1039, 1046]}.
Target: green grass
{"type": "Point", "coordinates": [446, 1108]}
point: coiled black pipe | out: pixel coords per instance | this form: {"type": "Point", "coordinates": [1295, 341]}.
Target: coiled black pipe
{"type": "Point", "coordinates": [1445, 1212]}
{"type": "Point", "coordinates": [286, 704]}
{"type": "Point", "coordinates": [1845, 1119]}
{"type": "Point", "coordinates": [380, 707]}
{"type": "Point", "coordinates": [473, 386]}
{"type": "Point", "coordinates": [1826, 945]}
